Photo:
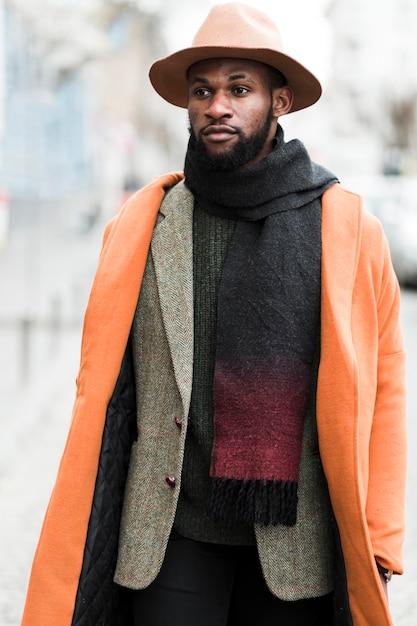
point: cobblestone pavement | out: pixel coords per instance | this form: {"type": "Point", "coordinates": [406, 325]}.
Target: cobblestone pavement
{"type": "Point", "coordinates": [34, 421]}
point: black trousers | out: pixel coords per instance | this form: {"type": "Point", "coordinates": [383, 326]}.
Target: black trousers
{"type": "Point", "coordinates": [202, 584]}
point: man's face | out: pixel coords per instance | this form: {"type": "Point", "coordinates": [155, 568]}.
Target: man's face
{"type": "Point", "coordinates": [231, 111]}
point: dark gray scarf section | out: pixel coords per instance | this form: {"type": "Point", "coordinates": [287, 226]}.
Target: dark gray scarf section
{"type": "Point", "coordinates": [285, 179]}
{"type": "Point", "coordinates": [267, 323]}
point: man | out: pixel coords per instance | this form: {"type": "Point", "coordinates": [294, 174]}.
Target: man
{"type": "Point", "coordinates": [261, 366]}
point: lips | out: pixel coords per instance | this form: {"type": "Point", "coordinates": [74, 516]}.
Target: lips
{"type": "Point", "coordinates": [218, 128]}
{"type": "Point", "coordinates": [218, 132]}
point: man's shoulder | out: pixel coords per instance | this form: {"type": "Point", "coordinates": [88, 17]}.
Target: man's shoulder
{"type": "Point", "coordinates": [339, 194]}
{"type": "Point", "coordinates": [179, 190]}
{"type": "Point", "coordinates": [176, 197]}
{"type": "Point", "coordinates": [343, 214]}
{"type": "Point", "coordinates": [142, 207]}
{"type": "Point", "coordinates": [347, 204]}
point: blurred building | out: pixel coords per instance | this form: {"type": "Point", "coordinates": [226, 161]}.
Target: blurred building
{"type": "Point", "coordinates": [46, 112]}
{"type": "Point", "coordinates": [80, 126]}
{"type": "Point", "coordinates": [372, 92]}
{"type": "Point", "coordinates": [136, 132]}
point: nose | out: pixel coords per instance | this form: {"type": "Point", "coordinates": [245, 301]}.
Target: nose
{"type": "Point", "coordinates": [219, 106]}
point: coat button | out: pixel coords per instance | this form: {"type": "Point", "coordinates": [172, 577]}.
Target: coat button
{"type": "Point", "coordinates": [170, 480]}
{"type": "Point", "coordinates": [178, 422]}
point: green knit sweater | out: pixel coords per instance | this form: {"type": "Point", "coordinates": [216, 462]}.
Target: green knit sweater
{"type": "Point", "coordinates": [211, 238]}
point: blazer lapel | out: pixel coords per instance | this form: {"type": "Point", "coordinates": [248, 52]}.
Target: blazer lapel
{"type": "Point", "coordinates": [172, 253]}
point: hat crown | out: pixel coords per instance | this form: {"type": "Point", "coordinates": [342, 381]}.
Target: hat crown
{"type": "Point", "coordinates": [238, 25]}
{"type": "Point", "coordinates": [234, 30]}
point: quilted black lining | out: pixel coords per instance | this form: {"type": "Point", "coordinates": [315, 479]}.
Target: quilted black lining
{"type": "Point", "coordinates": [99, 601]}
{"type": "Point", "coordinates": [341, 609]}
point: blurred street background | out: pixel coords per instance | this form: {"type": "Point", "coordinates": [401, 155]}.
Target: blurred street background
{"type": "Point", "coordinates": [81, 128]}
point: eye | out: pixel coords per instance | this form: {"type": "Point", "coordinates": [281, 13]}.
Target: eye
{"type": "Point", "coordinates": [240, 91]}
{"type": "Point", "coordinates": [201, 92]}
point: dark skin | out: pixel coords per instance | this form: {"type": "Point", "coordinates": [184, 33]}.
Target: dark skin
{"type": "Point", "coordinates": [231, 95]}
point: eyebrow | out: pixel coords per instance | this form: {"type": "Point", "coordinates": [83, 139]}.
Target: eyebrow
{"type": "Point", "coordinates": [241, 77]}
{"type": "Point", "coordinates": [232, 77]}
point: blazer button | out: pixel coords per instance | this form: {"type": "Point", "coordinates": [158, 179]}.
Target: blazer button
{"type": "Point", "coordinates": [170, 480]}
{"type": "Point", "coordinates": [178, 422]}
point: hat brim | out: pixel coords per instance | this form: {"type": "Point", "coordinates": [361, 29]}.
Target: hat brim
{"type": "Point", "coordinates": [169, 76]}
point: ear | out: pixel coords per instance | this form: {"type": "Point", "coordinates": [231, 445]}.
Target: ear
{"type": "Point", "coordinates": [282, 98]}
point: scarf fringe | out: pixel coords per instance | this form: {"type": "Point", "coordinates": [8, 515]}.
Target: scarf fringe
{"type": "Point", "coordinates": [263, 502]}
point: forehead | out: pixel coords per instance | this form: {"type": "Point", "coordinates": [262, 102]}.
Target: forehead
{"type": "Point", "coordinates": [228, 67]}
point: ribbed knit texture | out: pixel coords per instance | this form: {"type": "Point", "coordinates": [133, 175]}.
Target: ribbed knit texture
{"type": "Point", "coordinates": [211, 238]}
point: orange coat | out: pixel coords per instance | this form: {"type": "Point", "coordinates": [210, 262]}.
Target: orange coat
{"type": "Point", "coordinates": [360, 403]}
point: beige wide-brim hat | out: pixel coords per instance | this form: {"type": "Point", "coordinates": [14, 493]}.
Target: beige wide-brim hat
{"type": "Point", "coordinates": [234, 30]}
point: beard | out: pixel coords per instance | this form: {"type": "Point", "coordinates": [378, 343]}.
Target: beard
{"type": "Point", "coordinates": [245, 150]}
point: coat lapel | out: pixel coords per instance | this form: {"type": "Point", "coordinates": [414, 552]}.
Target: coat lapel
{"type": "Point", "coordinates": [337, 371]}
{"type": "Point", "coordinates": [172, 255]}
{"type": "Point", "coordinates": [341, 223]}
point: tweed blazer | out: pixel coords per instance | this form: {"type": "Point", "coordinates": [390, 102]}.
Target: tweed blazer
{"type": "Point", "coordinates": [163, 356]}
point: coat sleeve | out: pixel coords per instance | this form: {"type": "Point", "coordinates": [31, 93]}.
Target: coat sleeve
{"type": "Point", "coordinates": [387, 449]}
